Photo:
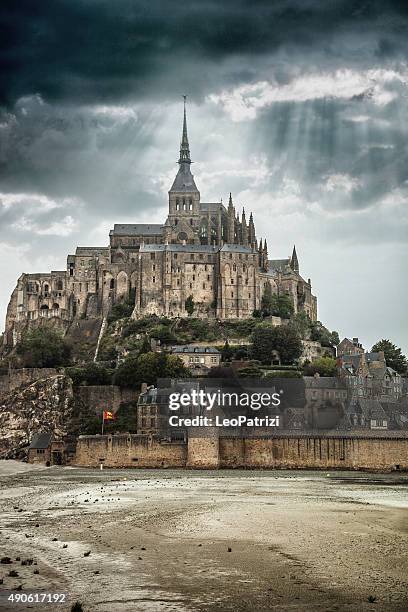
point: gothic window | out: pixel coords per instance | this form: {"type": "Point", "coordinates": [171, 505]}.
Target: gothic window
{"type": "Point", "coordinates": [191, 222]}
{"type": "Point", "coordinates": [46, 289]}
{"type": "Point", "coordinates": [177, 204]}
{"type": "Point", "coordinates": [175, 221]}
{"type": "Point", "coordinates": [184, 203]}
{"type": "Point", "coordinates": [193, 277]}
{"type": "Point", "coordinates": [59, 285]}
{"type": "Point", "coordinates": [154, 279]}
{"type": "Point", "coordinates": [154, 267]}
{"type": "Point", "coordinates": [232, 294]}
{"type": "Point", "coordinates": [203, 285]}
{"type": "Point", "coordinates": [44, 307]}
{"type": "Point", "coordinates": [112, 284]}
{"type": "Point", "coordinates": [190, 204]}
{"type": "Point", "coordinates": [55, 306]}
{"type": "Point", "coordinates": [208, 277]}
{"type": "Point", "coordinates": [234, 267]}
{"type": "Point", "coordinates": [232, 281]}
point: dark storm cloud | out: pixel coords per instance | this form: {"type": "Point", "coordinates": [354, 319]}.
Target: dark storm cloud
{"type": "Point", "coordinates": [103, 50]}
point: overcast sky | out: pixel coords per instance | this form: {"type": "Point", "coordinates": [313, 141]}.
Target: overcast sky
{"type": "Point", "coordinates": [298, 107]}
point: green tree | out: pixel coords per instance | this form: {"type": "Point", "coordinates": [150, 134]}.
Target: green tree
{"type": "Point", "coordinates": [393, 355]}
{"type": "Point", "coordinates": [148, 367]}
{"type": "Point", "coordinates": [189, 305]}
{"type": "Point", "coordinates": [321, 334]}
{"type": "Point", "coordinates": [146, 346]}
{"type": "Point", "coordinates": [267, 300]}
{"type": "Point", "coordinates": [288, 344]}
{"type": "Point", "coordinates": [282, 306]}
{"type": "Point", "coordinates": [263, 343]}
{"type": "Point", "coordinates": [90, 374]}
{"type": "Point", "coordinates": [43, 347]}
{"type": "Point", "coordinates": [121, 310]}
{"type": "Point", "coordinates": [302, 323]}
{"type": "Point", "coordinates": [283, 339]}
{"type": "Point", "coordinates": [324, 366]}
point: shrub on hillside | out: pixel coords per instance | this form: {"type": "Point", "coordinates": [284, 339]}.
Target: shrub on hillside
{"type": "Point", "coordinates": [90, 374]}
{"type": "Point", "coordinates": [43, 347]}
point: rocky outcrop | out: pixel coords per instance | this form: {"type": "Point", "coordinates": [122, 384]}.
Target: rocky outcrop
{"type": "Point", "coordinates": [45, 405]}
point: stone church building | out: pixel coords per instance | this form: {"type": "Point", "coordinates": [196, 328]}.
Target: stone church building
{"type": "Point", "coordinates": [205, 254]}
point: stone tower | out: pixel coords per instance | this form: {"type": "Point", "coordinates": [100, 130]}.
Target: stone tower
{"type": "Point", "coordinates": [184, 197]}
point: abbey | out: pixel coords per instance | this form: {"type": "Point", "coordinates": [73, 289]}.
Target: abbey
{"type": "Point", "coordinates": [205, 260]}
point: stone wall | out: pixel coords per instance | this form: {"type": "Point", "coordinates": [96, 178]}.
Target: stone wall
{"type": "Point", "coordinates": [370, 453]}
{"type": "Point", "coordinates": [315, 453]}
{"type": "Point", "coordinates": [23, 377]}
{"type": "Point", "coordinates": [129, 451]}
{"type": "Point", "coordinates": [104, 397]}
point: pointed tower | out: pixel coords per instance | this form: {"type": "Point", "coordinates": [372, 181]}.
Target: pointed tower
{"type": "Point", "coordinates": [251, 232]}
{"type": "Point", "coordinates": [294, 263]}
{"type": "Point", "coordinates": [184, 197]}
{"type": "Point", "coordinates": [230, 221]}
{"type": "Point", "coordinates": [244, 229]}
{"type": "Point", "coordinates": [265, 256]}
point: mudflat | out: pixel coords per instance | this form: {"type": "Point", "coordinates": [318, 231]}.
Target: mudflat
{"type": "Point", "coordinates": [176, 540]}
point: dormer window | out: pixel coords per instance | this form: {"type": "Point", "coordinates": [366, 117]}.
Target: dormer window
{"type": "Point", "coordinates": [177, 204]}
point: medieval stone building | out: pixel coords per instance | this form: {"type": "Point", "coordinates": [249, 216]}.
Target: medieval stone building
{"type": "Point", "coordinates": [204, 254]}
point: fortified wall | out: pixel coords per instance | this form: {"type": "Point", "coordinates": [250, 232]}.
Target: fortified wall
{"type": "Point", "coordinates": [366, 452]}
{"type": "Point", "coordinates": [23, 377]}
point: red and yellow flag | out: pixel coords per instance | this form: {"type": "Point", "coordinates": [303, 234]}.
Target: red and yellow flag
{"type": "Point", "coordinates": [108, 416]}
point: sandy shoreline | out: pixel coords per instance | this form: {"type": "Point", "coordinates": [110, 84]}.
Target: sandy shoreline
{"type": "Point", "coordinates": [178, 540]}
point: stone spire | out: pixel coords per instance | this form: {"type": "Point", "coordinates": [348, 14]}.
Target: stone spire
{"type": "Point", "coordinates": [231, 221]}
{"type": "Point", "coordinates": [251, 231]}
{"type": "Point", "coordinates": [294, 262]}
{"type": "Point", "coordinates": [244, 229]}
{"type": "Point", "coordinates": [184, 145]}
{"type": "Point", "coordinates": [184, 181]}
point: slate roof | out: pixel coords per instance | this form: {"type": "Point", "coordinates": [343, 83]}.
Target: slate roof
{"type": "Point", "coordinates": [41, 440]}
{"type": "Point", "coordinates": [323, 382]}
{"type": "Point", "coordinates": [184, 181]}
{"type": "Point", "coordinates": [235, 248]}
{"type": "Point", "coordinates": [371, 408]}
{"type": "Point", "coordinates": [136, 229]}
{"type": "Point", "coordinates": [90, 251]}
{"type": "Point", "coordinates": [280, 265]}
{"type": "Point", "coordinates": [195, 349]}
{"type": "Point", "coordinates": [179, 248]}
{"type": "Point", "coordinates": [212, 206]}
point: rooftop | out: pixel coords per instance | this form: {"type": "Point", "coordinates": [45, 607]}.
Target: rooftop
{"type": "Point", "coordinates": [41, 440]}
{"type": "Point", "coordinates": [137, 229]}
{"type": "Point", "coordinates": [195, 349]}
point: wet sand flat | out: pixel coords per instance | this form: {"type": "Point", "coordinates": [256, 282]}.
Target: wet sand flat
{"type": "Point", "coordinates": [177, 540]}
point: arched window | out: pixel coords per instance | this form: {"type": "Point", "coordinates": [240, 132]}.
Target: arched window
{"type": "Point", "coordinates": [46, 289]}
{"type": "Point", "coordinates": [190, 204]}
{"type": "Point", "coordinates": [60, 285]}
{"type": "Point", "coordinates": [55, 306]}
{"type": "Point", "coordinates": [177, 204]}
{"type": "Point", "coordinates": [112, 283]}
{"type": "Point", "coordinates": [44, 307]}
